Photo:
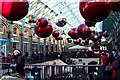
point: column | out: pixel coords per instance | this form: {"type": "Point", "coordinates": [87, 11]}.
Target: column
{"type": "Point", "coordinates": [31, 42]}
{"type": "Point", "coordinates": [54, 45]}
{"type": "Point", "coordinates": [22, 38]}
{"type": "Point", "coordinates": [44, 50]}
{"type": "Point", "coordinates": [50, 44]}
{"type": "Point", "coordinates": [57, 50]}
{"type": "Point", "coordinates": [9, 47]}
{"type": "Point", "coordinates": [60, 47]}
{"type": "Point", "coordinates": [38, 45]}
{"type": "Point", "coordinates": [50, 70]}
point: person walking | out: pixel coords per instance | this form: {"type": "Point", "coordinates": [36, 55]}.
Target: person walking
{"type": "Point", "coordinates": [104, 59]}
{"type": "Point", "coordinates": [18, 62]}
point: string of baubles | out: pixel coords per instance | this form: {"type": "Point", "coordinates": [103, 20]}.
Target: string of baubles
{"type": "Point", "coordinates": [55, 33]}
{"type": "Point", "coordinates": [86, 35]}
{"type": "Point", "coordinates": [14, 10]}
{"type": "Point", "coordinates": [43, 28]}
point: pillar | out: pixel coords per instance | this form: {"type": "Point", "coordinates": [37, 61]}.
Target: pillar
{"type": "Point", "coordinates": [22, 38]}
{"type": "Point", "coordinates": [54, 45]}
{"type": "Point", "coordinates": [57, 49]}
{"type": "Point", "coordinates": [31, 49]}
{"type": "Point", "coordinates": [9, 44]}
{"type": "Point", "coordinates": [38, 45]}
{"type": "Point", "coordinates": [44, 49]}
{"type": "Point", "coordinates": [50, 44]}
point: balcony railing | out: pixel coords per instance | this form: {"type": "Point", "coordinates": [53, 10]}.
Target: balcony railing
{"type": "Point", "coordinates": [56, 72]}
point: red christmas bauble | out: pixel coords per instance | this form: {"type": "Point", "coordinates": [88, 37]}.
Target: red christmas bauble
{"type": "Point", "coordinates": [83, 31]}
{"type": "Point", "coordinates": [14, 10]}
{"type": "Point", "coordinates": [69, 40]}
{"type": "Point", "coordinates": [43, 32]}
{"type": "Point", "coordinates": [59, 38]}
{"type": "Point", "coordinates": [80, 30]}
{"type": "Point", "coordinates": [77, 41]}
{"type": "Point", "coordinates": [93, 10]}
{"type": "Point", "coordinates": [106, 34]}
{"type": "Point", "coordinates": [95, 37]}
{"type": "Point", "coordinates": [86, 42]}
{"type": "Point", "coordinates": [42, 22]}
{"type": "Point", "coordinates": [55, 33]}
{"type": "Point", "coordinates": [87, 33]}
{"type": "Point", "coordinates": [73, 33]}
{"type": "Point", "coordinates": [61, 22]}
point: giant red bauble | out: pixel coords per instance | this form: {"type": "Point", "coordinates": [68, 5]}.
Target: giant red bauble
{"type": "Point", "coordinates": [90, 23]}
{"type": "Point", "coordinates": [73, 33]}
{"type": "Point", "coordinates": [93, 10]}
{"type": "Point", "coordinates": [43, 32]}
{"type": "Point", "coordinates": [87, 33]}
{"type": "Point", "coordinates": [80, 30]}
{"type": "Point", "coordinates": [59, 38]}
{"type": "Point", "coordinates": [92, 37]}
{"type": "Point", "coordinates": [70, 32]}
{"type": "Point", "coordinates": [55, 33]}
{"type": "Point", "coordinates": [114, 6]}
{"type": "Point", "coordinates": [83, 31]}
{"type": "Point", "coordinates": [106, 34]}
{"type": "Point", "coordinates": [42, 22]}
{"type": "Point", "coordinates": [14, 10]}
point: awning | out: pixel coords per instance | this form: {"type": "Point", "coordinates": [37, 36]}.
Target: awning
{"type": "Point", "coordinates": [14, 41]}
{"type": "Point", "coordinates": [26, 42]}
{"type": "Point", "coordinates": [3, 39]}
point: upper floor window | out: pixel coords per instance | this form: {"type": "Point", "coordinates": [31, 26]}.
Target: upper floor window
{"type": "Point", "coordinates": [14, 31]}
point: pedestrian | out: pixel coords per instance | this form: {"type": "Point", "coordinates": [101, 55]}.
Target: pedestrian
{"type": "Point", "coordinates": [18, 62]}
{"type": "Point", "coordinates": [104, 59]}
{"type": "Point", "coordinates": [117, 65]}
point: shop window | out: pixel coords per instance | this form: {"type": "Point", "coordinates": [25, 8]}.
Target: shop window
{"type": "Point", "coordinates": [34, 35]}
{"type": "Point", "coordinates": [14, 31]}
{"type": "Point", "coordinates": [14, 46]}
{"type": "Point", "coordinates": [1, 28]}
{"type": "Point", "coordinates": [25, 34]}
